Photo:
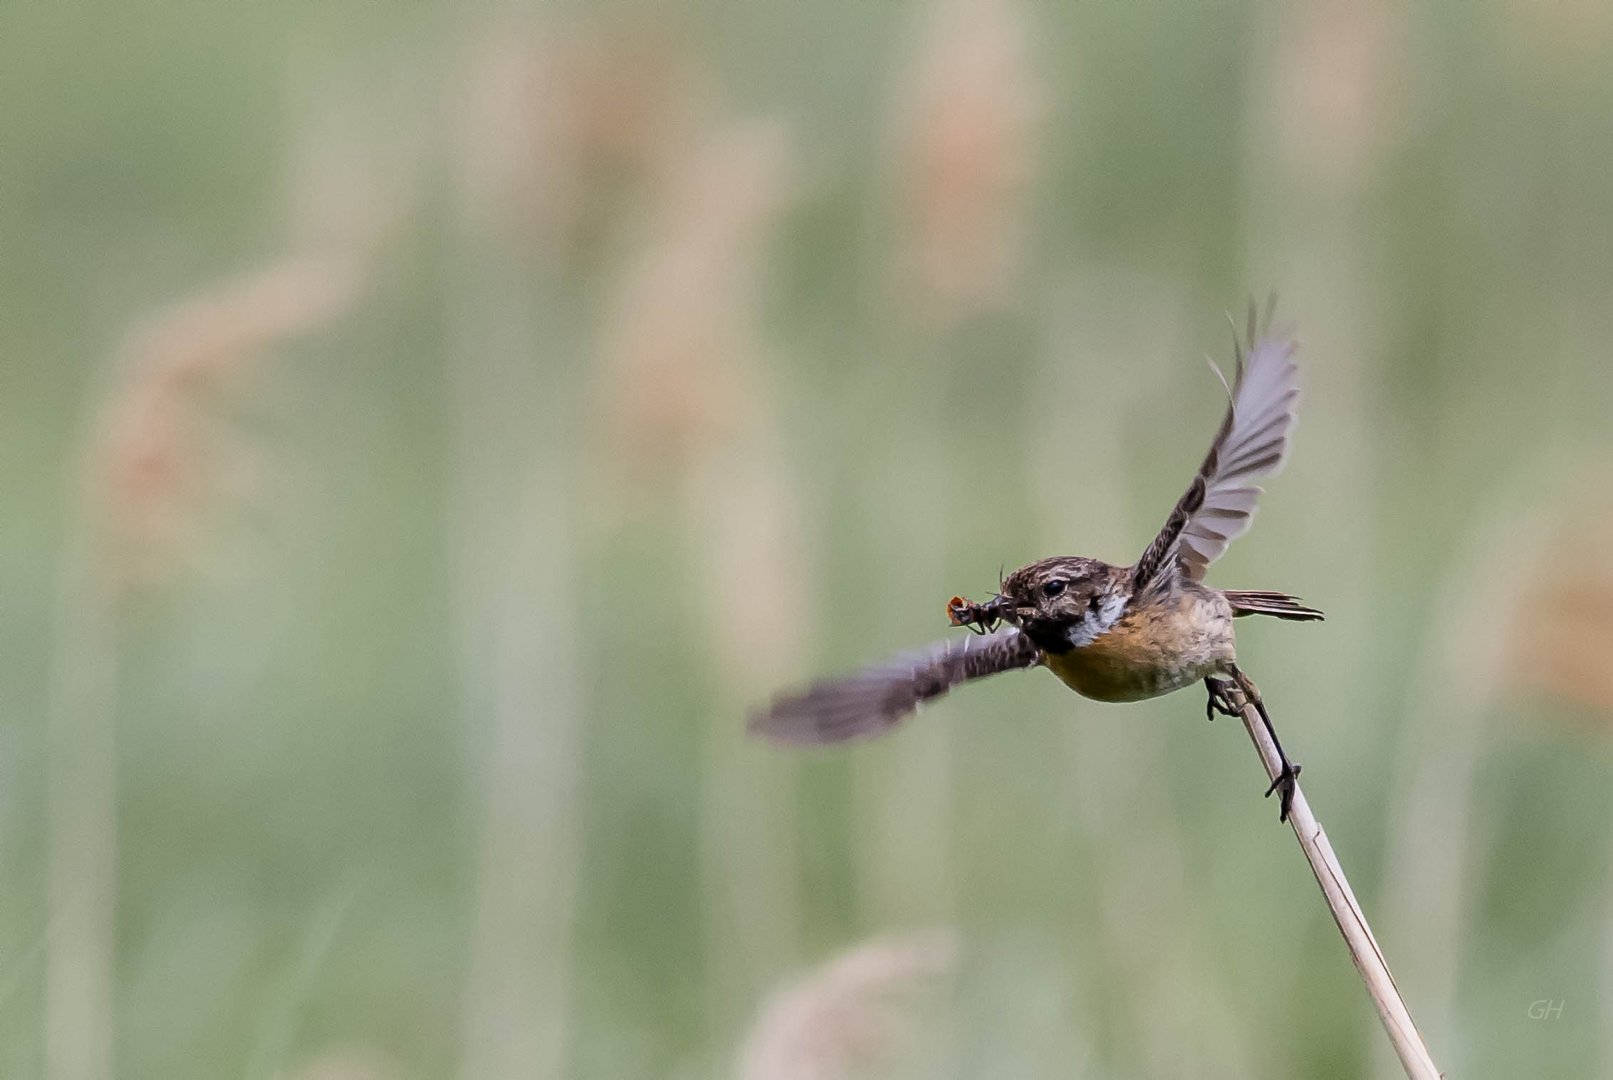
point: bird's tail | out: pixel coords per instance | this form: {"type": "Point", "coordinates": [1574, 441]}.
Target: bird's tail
{"type": "Point", "coordinates": [1280, 605]}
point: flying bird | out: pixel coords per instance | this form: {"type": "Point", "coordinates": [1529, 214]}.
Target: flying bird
{"type": "Point", "coordinates": [1110, 633]}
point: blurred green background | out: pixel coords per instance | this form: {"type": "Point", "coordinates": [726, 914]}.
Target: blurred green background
{"type": "Point", "coordinates": [426, 429]}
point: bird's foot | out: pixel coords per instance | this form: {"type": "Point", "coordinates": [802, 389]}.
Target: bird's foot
{"type": "Point", "coordinates": [1286, 783]}
{"type": "Point", "coordinates": [1219, 701]}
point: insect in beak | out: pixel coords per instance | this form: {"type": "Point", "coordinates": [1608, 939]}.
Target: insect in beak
{"type": "Point", "coordinates": [981, 618]}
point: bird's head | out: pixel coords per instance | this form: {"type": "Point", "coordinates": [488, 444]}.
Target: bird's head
{"type": "Point", "coordinates": [1063, 602]}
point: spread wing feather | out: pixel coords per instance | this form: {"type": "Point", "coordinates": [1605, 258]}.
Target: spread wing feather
{"type": "Point", "coordinates": [873, 700]}
{"type": "Point", "coordinates": [1251, 445]}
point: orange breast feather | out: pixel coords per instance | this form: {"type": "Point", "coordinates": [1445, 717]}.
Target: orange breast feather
{"type": "Point", "coordinates": [1149, 652]}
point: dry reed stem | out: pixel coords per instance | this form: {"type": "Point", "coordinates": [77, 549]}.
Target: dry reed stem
{"type": "Point", "coordinates": [1346, 910]}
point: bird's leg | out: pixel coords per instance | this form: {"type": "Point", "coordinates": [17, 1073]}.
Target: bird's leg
{"type": "Point", "coordinates": [1288, 776]}
{"type": "Point", "coordinates": [1219, 701]}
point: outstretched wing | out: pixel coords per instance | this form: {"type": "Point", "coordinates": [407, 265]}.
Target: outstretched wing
{"type": "Point", "coordinates": [873, 700]}
{"type": "Point", "coordinates": [1251, 445]}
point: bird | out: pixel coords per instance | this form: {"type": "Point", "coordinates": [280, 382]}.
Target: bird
{"type": "Point", "coordinates": [1110, 633]}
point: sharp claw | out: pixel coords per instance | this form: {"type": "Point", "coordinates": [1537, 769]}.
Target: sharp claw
{"type": "Point", "coordinates": [1217, 702]}
{"type": "Point", "coordinates": [1286, 782]}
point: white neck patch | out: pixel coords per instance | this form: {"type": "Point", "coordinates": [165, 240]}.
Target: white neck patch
{"type": "Point", "coordinates": [1096, 623]}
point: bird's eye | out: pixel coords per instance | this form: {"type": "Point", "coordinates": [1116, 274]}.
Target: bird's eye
{"type": "Point", "coordinates": [1054, 588]}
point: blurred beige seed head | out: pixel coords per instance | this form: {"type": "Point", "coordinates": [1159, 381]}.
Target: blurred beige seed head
{"type": "Point", "coordinates": [849, 1014]}
{"type": "Point", "coordinates": [1564, 633]}
{"type": "Point", "coordinates": [681, 392]}
{"type": "Point", "coordinates": [965, 136]}
{"type": "Point", "coordinates": [633, 92]}
{"type": "Point", "coordinates": [1340, 88]}
{"type": "Point", "coordinates": [157, 457]}
{"type": "Point", "coordinates": [354, 1063]}
{"type": "Point", "coordinates": [554, 120]}
{"type": "Point", "coordinates": [678, 371]}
